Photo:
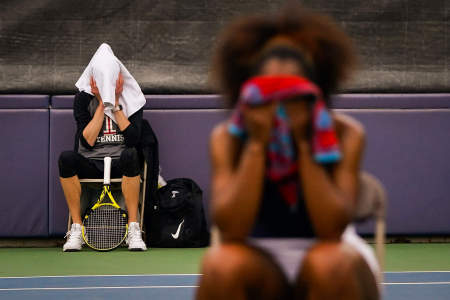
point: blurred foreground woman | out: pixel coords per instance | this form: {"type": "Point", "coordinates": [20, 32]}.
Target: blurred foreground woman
{"type": "Point", "coordinates": [285, 168]}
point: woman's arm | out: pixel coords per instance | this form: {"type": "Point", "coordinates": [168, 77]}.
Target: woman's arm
{"type": "Point", "coordinates": [132, 132]}
{"type": "Point", "coordinates": [331, 198]}
{"type": "Point", "coordinates": [92, 129]}
{"type": "Point", "coordinates": [238, 173]}
{"type": "Point", "coordinates": [236, 191]}
{"type": "Point", "coordinates": [131, 126]}
{"type": "Point", "coordinates": [85, 124]}
{"type": "Point", "coordinates": [121, 119]}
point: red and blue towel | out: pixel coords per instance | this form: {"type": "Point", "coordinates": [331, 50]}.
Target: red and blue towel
{"type": "Point", "coordinates": [281, 154]}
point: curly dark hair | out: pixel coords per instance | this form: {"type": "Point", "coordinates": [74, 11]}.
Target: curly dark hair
{"type": "Point", "coordinates": [242, 42]}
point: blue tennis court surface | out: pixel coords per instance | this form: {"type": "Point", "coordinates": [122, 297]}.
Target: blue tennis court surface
{"type": "Point", "coordinates": [417, 285]}
{"type": "Point", "coordinates": [397, 285]}
{"type": "Point", "coordinates": [134, 287]}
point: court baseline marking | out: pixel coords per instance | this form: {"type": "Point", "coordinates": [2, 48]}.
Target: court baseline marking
{"type": "Point", "coordinates": [103, 287]}
{"type": "Point", "coordinates": [148, 275]}
{"type": "Point", "coordinates": [417, 283]}
{"type": "Point", "coordinates": [114, 275]}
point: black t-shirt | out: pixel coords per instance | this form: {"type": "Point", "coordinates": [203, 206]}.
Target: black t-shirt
{"type": "Point", "coordinates": [276, 219]}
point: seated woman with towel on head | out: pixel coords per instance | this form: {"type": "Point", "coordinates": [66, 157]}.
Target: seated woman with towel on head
{"type": "Point", "coordinates": [284, 167]}
{"type": "Point", "coordinates": [108, 113]}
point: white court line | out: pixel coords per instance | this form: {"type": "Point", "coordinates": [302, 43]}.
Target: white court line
{"type": "Point", "coordinates": [149, 275]}
{"type": "Point", "coordinates": [74, 276]}
{"type": "Point", "coordinates": [103, 288]}
{"type": "Point", "coordinates": [417, 283]}
{"type": "Point", "coordinates": [176, 286]}
{"type": "Point", "coordinates": [405, 272]}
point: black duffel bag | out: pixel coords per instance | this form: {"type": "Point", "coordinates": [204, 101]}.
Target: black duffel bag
{"type": "Point", "coordinates": [177, 216]}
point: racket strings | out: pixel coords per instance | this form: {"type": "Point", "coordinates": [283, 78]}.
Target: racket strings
{"type": "Point", "coordinates": [105, 227]}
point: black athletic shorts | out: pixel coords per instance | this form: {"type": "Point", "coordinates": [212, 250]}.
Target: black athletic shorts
{"type": "Point", "coordinates": [72, 163]}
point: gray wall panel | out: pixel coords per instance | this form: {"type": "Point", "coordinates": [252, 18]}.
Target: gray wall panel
{"type": "Point", "coordinates": [44, 45]}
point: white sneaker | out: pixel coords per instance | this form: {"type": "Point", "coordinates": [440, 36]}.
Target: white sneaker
{"type": "Point", "coordinates": [74, 239]}
{"type": "Point", "coordinates": [134, 238]}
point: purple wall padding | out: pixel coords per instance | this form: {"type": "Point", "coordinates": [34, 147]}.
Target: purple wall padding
{"type": "Point", "coordinates": [407, 148]}
{"type": "Point", "coordinates": [391, 101]}
{"type": "Point", "coordinates": [24, 101]}
{"type": "Point", "coordinates": [158, 102]}
{"type": "Point", "coordinates": [24, 171]}
{"type": "Point", "coordinates": [408, 151]}
{"type": "Point", "coordinates": [62, 101]}
{"type": "Point", "coordinates": [62, 134]}
{"type": "Point", "coordinates": [342, 101]}
{"type": "Point", "coordinates": [184, 102]}
{"type": "Point", "coordinates": [184, 144]}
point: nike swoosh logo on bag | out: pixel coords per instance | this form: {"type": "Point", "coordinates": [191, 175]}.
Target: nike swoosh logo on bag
{"type": "Point", "coordinates": [177, 234]}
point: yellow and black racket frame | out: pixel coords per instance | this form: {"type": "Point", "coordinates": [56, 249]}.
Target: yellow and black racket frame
{"type": "Point", "coordinates": [106, 192]}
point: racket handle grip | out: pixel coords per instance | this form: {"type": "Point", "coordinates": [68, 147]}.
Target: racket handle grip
{"type": "Point", "coordinates": [107, 170]}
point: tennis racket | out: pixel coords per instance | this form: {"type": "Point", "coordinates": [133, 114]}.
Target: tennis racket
{"type": "Point", "coordinates": [105, 226]}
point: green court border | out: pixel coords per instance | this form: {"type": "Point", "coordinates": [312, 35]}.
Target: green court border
{"type": "Point", "coordinates": [54, 262]}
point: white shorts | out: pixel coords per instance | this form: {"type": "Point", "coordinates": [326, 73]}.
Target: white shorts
{"type": "Point", "coordinates": [289, 252]}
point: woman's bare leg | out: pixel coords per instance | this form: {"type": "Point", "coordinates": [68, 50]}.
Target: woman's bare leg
{"type": "Point", "coordinates": [238, 272]}
{"type": "Point", "coordinates": [333, 270]}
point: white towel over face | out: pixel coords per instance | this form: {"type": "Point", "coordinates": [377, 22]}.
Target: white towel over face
{"type": "Point", "coordinates": [105, 67]}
